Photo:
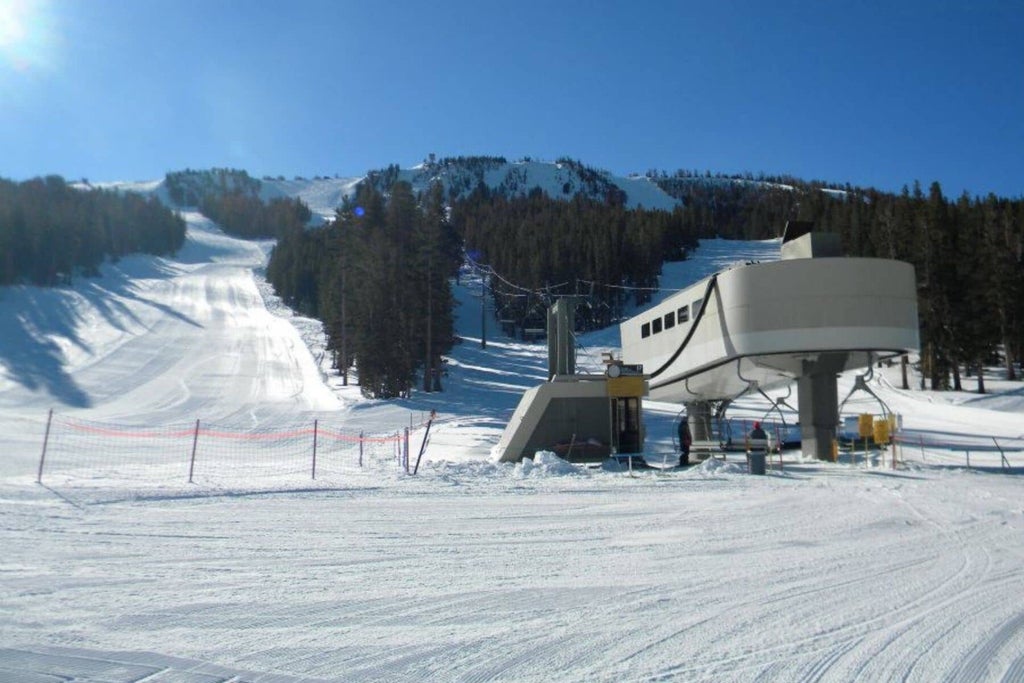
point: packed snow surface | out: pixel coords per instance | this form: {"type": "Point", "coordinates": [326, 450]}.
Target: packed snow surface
{"type": "Point", "coordinates": [116, 569]}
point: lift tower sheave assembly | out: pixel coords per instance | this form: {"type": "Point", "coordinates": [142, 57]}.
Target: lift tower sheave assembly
{"type": "Point", "coordinates": [580, 417]}
{"type": "Point", "coordinates": [805, 318]}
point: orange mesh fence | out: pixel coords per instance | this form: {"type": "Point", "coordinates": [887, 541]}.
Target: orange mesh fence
{"type": "Point", "coordinates": [84, 453]}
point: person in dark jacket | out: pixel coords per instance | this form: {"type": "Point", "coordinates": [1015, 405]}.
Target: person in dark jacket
{"type": "Point", "coordinates": [758, 438]}
{"type": "Point", "coordinates": [685, 440]}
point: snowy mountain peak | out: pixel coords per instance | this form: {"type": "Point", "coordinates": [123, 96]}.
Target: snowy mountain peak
{"type": "Point", "coordinates": [563, 178]}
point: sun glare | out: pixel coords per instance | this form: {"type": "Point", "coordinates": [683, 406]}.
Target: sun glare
{"type": "Point", "coordinates": [23, 33]}
{"type": "Point", "coordinates": [13, 16]}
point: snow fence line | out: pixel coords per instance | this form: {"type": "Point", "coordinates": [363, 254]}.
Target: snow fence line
{"type": "Point", "coordinates": [978, 447]}
{"type": "Point", "coordinates": [84, 452]}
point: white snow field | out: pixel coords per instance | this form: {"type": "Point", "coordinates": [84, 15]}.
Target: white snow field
{"type": "Point", "coordinates": [115, 569]}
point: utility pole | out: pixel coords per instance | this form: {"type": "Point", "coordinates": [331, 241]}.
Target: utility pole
{"type": "Point", "coordinates": [483, 312]}
{"type": "Point", "coordinates": [344, 334]}
{"type": "Point", "coordinates": [428, 366]}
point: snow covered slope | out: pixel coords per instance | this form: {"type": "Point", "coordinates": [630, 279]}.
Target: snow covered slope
{"type": "Point", "coordinates": [321, 195]}
{"type": "Point", "coordinates": [560, 179]}
{"type": "Point", "coordinates": [470, 570]}
{"type": "Point", "coordinates": [156, 338]}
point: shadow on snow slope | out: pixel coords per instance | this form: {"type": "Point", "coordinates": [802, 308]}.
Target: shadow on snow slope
{"type": "Point", "coordinates": [44, 324]}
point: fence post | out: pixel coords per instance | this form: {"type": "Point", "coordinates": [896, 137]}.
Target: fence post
{"type": "Point", "coordinates": [192, 463]}
{"type": "Point", "coordinates": [968, 458]}
{"type": "Point", "coordinates": [360, 449]}
{"type": "Point", "coordinates": [405, 450]}
{"type": "Point", "coordinates": [423, 446]}
{"type": "Point", "coordinates": [398, 448]}
{"type": "Point", "coordinates": [778, 446]}
{"type": "Point", "coordinates": [1002, 456]}
{"type": "Point", "coordinates": [46, 440]}
{"type": "Point", "coordinates": [315, 425]}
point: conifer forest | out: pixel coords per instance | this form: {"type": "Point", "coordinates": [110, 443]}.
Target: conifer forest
{"type": "Point", "coordinates": [379, 275]}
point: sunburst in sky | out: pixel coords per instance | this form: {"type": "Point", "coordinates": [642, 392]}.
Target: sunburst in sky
{"type": "Point", "coordinates": [26, 35]}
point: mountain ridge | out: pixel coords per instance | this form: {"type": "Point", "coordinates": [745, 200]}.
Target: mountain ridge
{"type": "Point", "coordinates": [561, 179]}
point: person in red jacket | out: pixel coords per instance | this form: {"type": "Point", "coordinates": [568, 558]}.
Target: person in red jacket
{"type": "Point", "coordinates": [758, 439]}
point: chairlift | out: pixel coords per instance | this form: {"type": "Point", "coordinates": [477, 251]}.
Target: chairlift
{"type": "Point", "coordinates": [849, 424]}
{"type": "Point", "coordinates": [781, 401]}
{"type": "Point", "coordinates": [781, 435]}
{"type": "Point", "coordinates": [860, 383]}
{"type": "Point", "coordinates": [773, 403]}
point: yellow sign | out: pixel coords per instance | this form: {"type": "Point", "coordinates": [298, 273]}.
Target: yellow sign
{"type": "Point", "coordinates": [882, 431]}
{"type": "Point", "coordinates": [627, 387]}
{"type": "Point", "coordinates": [865, 425]}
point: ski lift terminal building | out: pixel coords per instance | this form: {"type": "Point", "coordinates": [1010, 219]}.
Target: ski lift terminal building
{"type": "Point", "coordinates": [805, 319]}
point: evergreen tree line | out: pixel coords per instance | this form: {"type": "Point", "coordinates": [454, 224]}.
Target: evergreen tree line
{"type": "Point", "coordinates": [230, 198]}
{"type": "Point", "coordinates": [245, 215]}
{"type": "Point", "coordinates": [190, 187]}
{"type": "Point", "coordinates": [461, 173]}
{"type": "Point", "coordinates": [685, 174]}
{"type": "Point", "coordinates": [733, 208]}
{"type": "Point", "coordinates": [542, 248]}
{"type": "Point", "coordinates": [968, 260]}
{"type": "Point", "coordinates": [593, 183]}
{"type": "Point", "coordinates": [967, 255]}
{"type": "Point", "coordinates": [49, 230]}
{"type": "Point", "coordinates": [378, 277]}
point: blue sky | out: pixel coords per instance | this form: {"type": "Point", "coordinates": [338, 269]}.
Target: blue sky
{"type": "Point", "coordinates": [875, 94]}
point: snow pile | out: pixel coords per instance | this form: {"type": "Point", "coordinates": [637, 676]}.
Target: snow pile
{"type": "Point", "coordinates": [713, 467]}
{"type": "Point", "coordinates": [472, 470]}
{"type": "Point", "coordinates": [547, 464]}
{"type": "Point", "coordinates": [543, 464]}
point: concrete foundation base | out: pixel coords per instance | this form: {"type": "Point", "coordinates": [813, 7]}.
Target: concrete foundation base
{"type": "Point", "coordinates": [818, 405]}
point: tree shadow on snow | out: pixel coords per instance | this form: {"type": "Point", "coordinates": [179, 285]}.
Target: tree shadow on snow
{"type": "Point", "coordinates": [40, 322]}
{"type": "Point", "coordinates": [30, 353]}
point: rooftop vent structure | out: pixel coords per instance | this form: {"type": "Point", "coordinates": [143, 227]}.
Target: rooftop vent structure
{"type": "Point", "coordinates": [800, 241]}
